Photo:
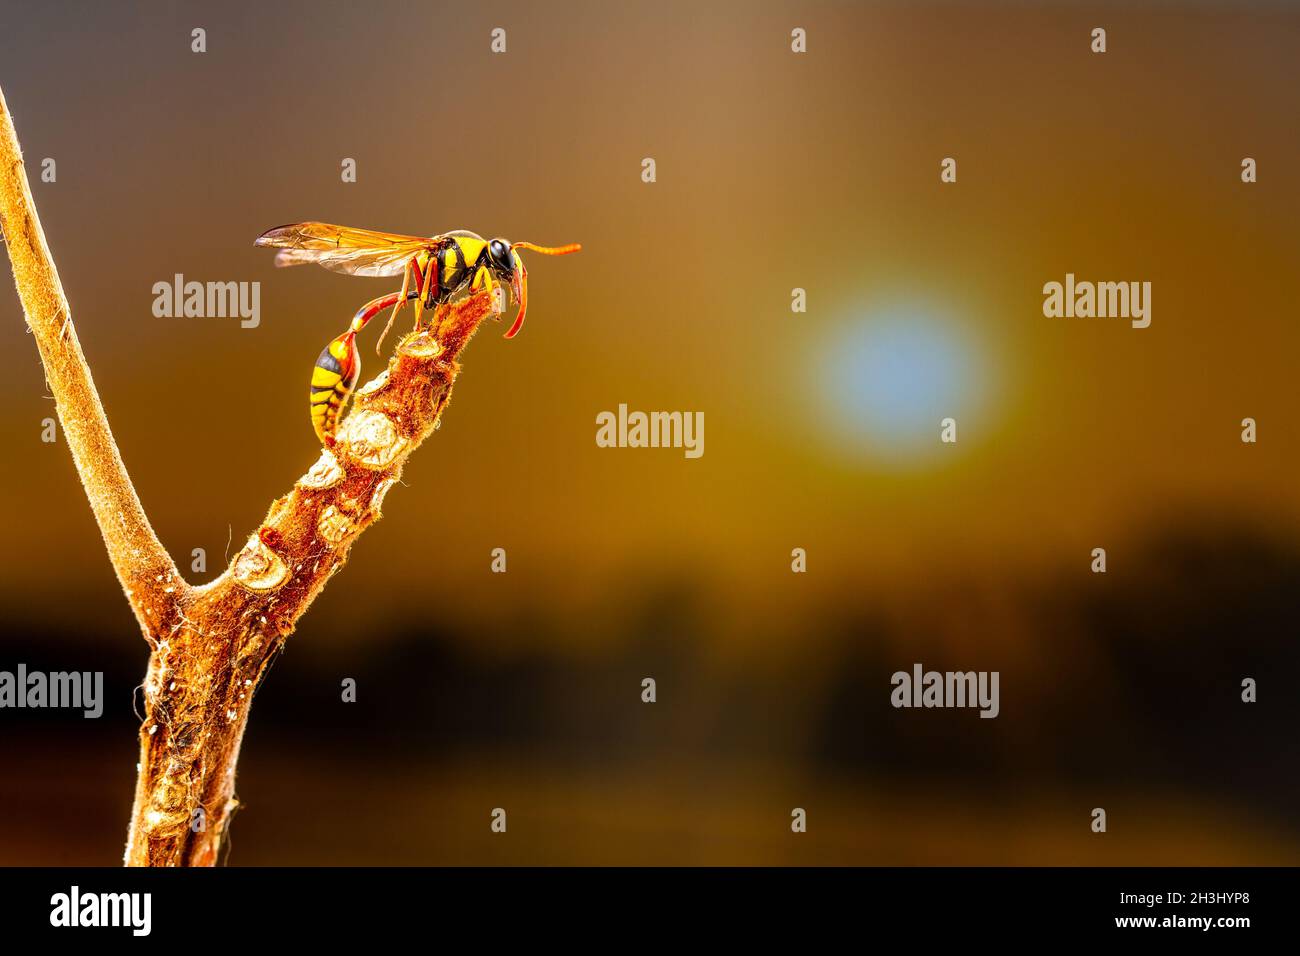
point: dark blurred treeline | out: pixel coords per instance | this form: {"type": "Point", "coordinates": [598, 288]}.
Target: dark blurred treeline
{"type": "Point", "coordinates": [1128, 682]}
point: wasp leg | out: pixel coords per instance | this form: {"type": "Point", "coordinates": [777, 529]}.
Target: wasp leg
{"type": "Point", "coordinates": [402, 297]}
{"type": "Point", "coordinates": [483, 277]}
{"type": "Point", "coordinates": [430, 288]}
{"type": "Point", "coordinates": [401, 301]}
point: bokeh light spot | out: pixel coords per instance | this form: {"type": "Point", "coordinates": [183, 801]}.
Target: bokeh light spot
{"type": "Point", "coordinates": [886, 377]}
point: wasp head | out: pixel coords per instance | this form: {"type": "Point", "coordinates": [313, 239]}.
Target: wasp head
{"type": "Point", "coordinates": [507, 265]}
{"type": "Point", "coordinates": [501, 259]}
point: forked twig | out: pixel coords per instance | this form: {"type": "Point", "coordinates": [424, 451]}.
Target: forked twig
{"type": "Point", "coordinates": [212, 644]}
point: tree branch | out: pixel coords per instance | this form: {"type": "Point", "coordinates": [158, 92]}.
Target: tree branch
{"type": "Point", "coordinates": [144, 568]}
{"type": "Point", "coordinates": [202, 677]}
{"type": "Point", "coordinates": [211, 645]}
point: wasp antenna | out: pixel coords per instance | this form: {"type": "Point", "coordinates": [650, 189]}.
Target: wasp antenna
{"type": "Point", "coordinates": [550, 250]}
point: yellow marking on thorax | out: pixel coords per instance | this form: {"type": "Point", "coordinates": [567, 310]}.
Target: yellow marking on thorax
{"type": "Point", "coordinates": [472, 248]}
{"type": "Point", "coordinates": [456, 271]}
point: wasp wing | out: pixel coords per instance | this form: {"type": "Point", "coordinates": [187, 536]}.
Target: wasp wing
{"type": "Point", "coordinates": [356, 262]}
{"type": "Point", "coordinates": [359, 252]}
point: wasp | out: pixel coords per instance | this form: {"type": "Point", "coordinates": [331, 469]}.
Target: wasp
{"type": "Point", "coordinates": [433, 270]}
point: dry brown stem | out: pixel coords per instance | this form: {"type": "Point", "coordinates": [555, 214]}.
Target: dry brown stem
{"type": "Point", "coordinates": [212, 644]}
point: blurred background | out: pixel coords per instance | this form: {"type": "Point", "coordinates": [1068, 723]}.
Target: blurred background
{"type": "Point", "coordinates": [774, 171]}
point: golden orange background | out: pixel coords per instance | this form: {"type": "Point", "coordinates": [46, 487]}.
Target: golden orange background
{"type": "Point", "coordinates": [774, 171]}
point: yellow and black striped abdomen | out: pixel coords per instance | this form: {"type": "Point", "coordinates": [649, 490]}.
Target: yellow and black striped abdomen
{"type": "Point", "coordinates": [332, 381]}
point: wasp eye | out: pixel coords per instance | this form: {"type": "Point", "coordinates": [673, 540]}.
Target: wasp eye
{"type": "Point", "coordinates": [499, 251]}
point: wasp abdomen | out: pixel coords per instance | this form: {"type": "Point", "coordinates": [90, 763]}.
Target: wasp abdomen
{"type": "Point", "coordinates": [332, 381]}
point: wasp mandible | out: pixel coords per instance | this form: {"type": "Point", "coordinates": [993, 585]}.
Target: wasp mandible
{"type": "Point", "coordinates": [433, 269]}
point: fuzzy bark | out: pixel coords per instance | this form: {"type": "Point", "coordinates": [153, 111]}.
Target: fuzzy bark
{"type": "Point", "coordinates": [202, 676]}
{"type": "Point", "coordinates": [144, 568]}
{"type": "Point", "coordinates": [211, 645]}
